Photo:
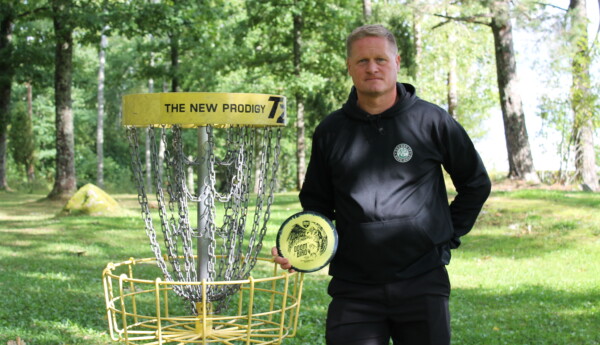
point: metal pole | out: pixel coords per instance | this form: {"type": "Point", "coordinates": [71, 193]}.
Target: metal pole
{"type": "Point", "coordinates": [203, 241]}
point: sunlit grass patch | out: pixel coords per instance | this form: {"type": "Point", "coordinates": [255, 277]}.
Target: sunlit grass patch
{"type": "Point", "coordinates": [528, 273]}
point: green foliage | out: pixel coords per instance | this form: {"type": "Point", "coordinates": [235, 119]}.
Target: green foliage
{"type": "Point", "coordinates": [34, 52]}
{"type": "Point", "coordinates": [41, 136]}
{"type": "Point", "coordinates": [262, 59]}
{"type": "Point", "coordinates": [472, 47]}
{"type": "Point", "coordinates": [44, 132]}
{"type": "Point", "coordinates": [118, 176]}
{"type": "Point", "coordinates": [403, 31]}
{"type": "Point", "coordinates": [21, 137]}
{"type": "Point", "coordinates": [570, 60]}
{"type": "Point", "coordinates": [241, 46]}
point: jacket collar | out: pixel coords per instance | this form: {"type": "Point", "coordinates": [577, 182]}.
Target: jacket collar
{"type": "Point", "coordinates": [406, 98]}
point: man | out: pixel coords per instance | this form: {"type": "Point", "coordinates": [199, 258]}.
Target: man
{"type": "Point", "coordinates": [376, 168]}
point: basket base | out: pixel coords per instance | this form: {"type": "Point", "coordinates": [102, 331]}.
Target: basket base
{"type": "Point", "coordinates": [265, 310]}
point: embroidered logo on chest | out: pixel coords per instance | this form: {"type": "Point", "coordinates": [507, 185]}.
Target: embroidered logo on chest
{"type": "Point", "coordinates": [403, 153]}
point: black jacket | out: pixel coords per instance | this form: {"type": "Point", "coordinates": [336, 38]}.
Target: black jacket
{"type": "Point", "coordinates": [380, 178]}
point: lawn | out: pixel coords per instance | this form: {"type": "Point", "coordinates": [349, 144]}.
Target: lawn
{"type": "Point", "coordinates": [527, 274]}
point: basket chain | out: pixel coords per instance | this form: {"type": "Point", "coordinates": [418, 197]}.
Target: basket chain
{"type": "Point", "coordinates": [227, 258]}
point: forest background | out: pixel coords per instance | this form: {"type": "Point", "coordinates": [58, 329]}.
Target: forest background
{"type": "Point", "coordinates": [65, 66]}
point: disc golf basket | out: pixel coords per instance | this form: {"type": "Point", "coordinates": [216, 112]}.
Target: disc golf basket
{"type": "Point", "coordinates": [198, 288]}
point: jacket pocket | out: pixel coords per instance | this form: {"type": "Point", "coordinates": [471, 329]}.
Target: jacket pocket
{"type": "Point", "coordinates": [387, 246]}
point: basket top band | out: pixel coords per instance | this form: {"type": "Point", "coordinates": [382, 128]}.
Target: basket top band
{"type": "Point", "coordinates": [195, 109]}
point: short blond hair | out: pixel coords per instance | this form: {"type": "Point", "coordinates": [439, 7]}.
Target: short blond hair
{"type": "Point", "coordinates": [371, 30]}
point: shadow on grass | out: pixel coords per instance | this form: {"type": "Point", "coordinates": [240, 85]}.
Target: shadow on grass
{"type": "Point", "coordinates": [51, 283]}
{"type": "Point", "coordinates": [50, 276]}
{"type": "Point", "coordinates": [58, 299]}
{"type": "Point", "coordinates": [52, 300]}
{"type": "Point", "coordinates": [527, 315]}
{"type": "Point", "coordinates": [52, 294]}
{"type": "Point", "coordinates": [29, 205]}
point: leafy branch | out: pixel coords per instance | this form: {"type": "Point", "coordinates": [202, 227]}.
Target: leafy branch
{"type": "Point", "coordinates": [475, 19]}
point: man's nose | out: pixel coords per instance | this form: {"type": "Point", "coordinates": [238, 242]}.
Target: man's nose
{"type": "Point", "coordinates": [372, 67]}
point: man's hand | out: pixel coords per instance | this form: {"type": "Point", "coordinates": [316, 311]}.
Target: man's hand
{"type": "Point", "coordinates": [283, 262]}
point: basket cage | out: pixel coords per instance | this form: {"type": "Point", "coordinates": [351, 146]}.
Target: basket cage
{"type": "Point", "coordinates": [148, 311]}
{"type": "Point", "coordinates": [205, 192]}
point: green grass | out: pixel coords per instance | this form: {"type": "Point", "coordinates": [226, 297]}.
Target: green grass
{"type": "Point", "coordinates": [527, 274]}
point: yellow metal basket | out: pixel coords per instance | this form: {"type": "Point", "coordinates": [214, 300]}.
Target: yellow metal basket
{"type": "Point", "coordinates": [147, 311]}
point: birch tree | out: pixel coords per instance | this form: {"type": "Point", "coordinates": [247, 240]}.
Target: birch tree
{"type": "Point", "coordinates": [100, 124]}
{"type": "Point", "coordinates": [300, 128]}
{"type": "Point", "coordinates": [582, 96]}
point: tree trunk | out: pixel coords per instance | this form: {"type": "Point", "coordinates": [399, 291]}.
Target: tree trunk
{"type": "Point", "coordinates": [520, 160]}
{"type": "Point", "coordinates": [174, 42]}
{"type": "Point", "coordinates": [582, 98]}
{"type": "Point", "coordinates": [418, 39]}
{"type": "Point", "coordinates": [452, 78]}
{"type": "Point", "coordinates": [30, 166]}
{"type": "Point", "coordinates": [161, 144]}
{"type": "Point", "coordinates": [65, 183]}
{"type": "Point", "coordinates": [148, 153]}
{"type": "Point", "coordinates": [6, 75]}
{"type": "Point", "coordinates": [452, 87]}
{"type": "Point", "coordinates": [367, 10]}
{"type": "Point", "coordinates": [100, 125]}
{"type": "Point", "coordinates": [300, 142]}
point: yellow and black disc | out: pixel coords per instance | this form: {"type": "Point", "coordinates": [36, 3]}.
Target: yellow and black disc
{"type": "Point", "coordinates": [308, 240]}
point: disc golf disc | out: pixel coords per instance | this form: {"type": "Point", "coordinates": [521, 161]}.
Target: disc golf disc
{"type": "Point", "coordinates": [308, 240]}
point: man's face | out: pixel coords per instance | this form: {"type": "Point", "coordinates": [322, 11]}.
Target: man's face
{"type": "Point", "coordinates": [373, 67]}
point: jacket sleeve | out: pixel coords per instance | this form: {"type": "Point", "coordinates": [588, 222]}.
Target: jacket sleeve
{"type": "Point", "coordinates": [469, 176]}
{"type": "Point", "coordinates": [317, 193]}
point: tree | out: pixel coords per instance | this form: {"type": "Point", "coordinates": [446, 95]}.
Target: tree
{"type": "Point", "coordinates": [498, 18]}
{"type": "Point", "coordinates": [6, 75]}
{"type": "Point", "coordinates": [22, 140]}
{"type": "Point", "coordinates": [30, 164]}
{"type": "Point", "coordinates": [9, 13]}
{"type": "Point", "coordinates": [520, 160]}
{"type": "Point", "coordinates": [65, 182]}
{"type": "Point", "coordinates": [300, 45]}
{"type": "Point", "coordinates": [300, 128]}
{"type": "Point", "coordinates": [582, 97]}
{"type": "Point", "coordinates": [572, 112]}
{"type": "Point", "coordinates": [100, 124]}
{"type": "Point", "coordinates": [32, 60]}
{"type": "Point", "coordinates": [444, 76]}
{"type": "Point", "coordinates": [63, 34]}
{"type": "Point", "coordinates": [367, 10]}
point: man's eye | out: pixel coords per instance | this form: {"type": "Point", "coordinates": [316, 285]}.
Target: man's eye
{"type": "Point", "coordinates": [381, 60]}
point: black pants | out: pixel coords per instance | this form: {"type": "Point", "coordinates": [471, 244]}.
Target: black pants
{"type": "Point", "coordinates": [411, 312]}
